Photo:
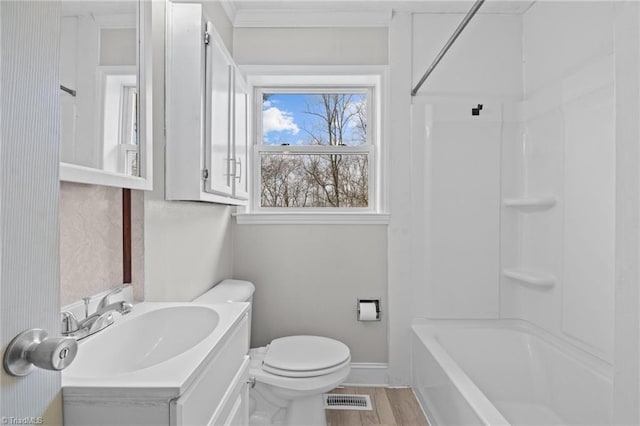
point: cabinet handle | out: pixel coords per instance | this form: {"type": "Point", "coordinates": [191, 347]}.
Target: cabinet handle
{"type": "Point", "coordinates": [252, 382]}
{"type": "Point", "coordinates": [231, 167]}
{"type": "Point", "coordinates": [238, 171]}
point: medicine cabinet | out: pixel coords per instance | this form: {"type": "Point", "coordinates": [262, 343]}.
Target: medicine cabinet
{"type": "Point", "coordinates": [206, 112]}
{"type": "Point", "coordinates": [106, 93]}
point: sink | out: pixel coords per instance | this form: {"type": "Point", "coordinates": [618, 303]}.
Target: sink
{"type": "Point", "coordinates": [161, 364]}
{"type": "Point", "coordinates": [146, 340]}
{"type": "Point", "coordinates": [157, 345]}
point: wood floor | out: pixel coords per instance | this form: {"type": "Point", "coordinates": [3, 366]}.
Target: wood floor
{"type": "Point", "coordinates": [391, 406]}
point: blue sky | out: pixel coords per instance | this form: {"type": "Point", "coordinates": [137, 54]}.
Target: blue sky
{"type": "Point", "coordinates": [284, 119]}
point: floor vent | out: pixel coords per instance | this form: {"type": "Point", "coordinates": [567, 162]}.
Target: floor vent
{"type": "Point", "coordinates": [344, 401]}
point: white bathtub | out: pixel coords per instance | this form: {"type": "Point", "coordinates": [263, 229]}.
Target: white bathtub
{"type": "Point", "coordinates": [506, 372]}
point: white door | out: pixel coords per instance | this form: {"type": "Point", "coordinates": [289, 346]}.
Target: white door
{"type": "Point", "coordinates": [29, 188]}
{"type": "Point", "coordinates": [218, 149]}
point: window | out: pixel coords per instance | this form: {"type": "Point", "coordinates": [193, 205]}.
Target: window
{"type": "Point", "coordinates": [315, 149]}
{"type": "Point", "coordinates": [316, 155]}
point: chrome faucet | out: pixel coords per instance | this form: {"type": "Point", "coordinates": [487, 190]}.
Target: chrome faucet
{"type": "Point", "coordinates": [99, 320]}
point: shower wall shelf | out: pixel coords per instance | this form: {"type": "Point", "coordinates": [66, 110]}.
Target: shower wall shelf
{"type": "Point", "coordinates": [533, 278]}
{"type": "Point", "coordinates": [527, 203]}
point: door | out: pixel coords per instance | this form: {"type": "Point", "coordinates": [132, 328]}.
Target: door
{"type": "Point", "coordinates": [218, 149]}
{"type": "Point", "coordinates": [29, 188]}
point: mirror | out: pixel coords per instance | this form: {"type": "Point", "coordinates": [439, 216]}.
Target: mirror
{"type": "Point", "coordinates": [105, 93]}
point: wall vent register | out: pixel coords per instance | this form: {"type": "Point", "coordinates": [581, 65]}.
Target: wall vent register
{"type": "Point", "coordinates": [343, 401]}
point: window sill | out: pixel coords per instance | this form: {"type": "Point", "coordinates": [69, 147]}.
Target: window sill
{"type": "Point", "coordinates": [312, 218]}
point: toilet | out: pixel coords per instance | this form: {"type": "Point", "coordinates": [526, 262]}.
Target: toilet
{"type": "Point", "coordinates": [291, 373]}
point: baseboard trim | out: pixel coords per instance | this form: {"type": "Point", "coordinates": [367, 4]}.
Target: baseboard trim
{"type": "Point", "coordinates": [368, 374]}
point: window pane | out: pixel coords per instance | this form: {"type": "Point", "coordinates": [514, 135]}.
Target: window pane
{"type": "Point", "coordinates": [314, 119]}
{"type": "Point", "coordinates": [314, 180]}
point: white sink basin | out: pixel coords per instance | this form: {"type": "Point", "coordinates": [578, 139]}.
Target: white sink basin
{"type": "Point", "coordinates": [146, 340]}
{"type": "Point", "coordinates": [157, 345]}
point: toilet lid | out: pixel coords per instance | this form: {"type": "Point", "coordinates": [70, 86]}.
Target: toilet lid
{"type": "Point", "coordinates": [303, 356]}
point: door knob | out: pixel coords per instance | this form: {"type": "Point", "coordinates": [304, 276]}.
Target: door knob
{"type": "Point", "coordinates": [34, 348]}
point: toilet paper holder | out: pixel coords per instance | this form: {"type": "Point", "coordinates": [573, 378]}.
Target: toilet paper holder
{"type": "Point", "coordinates": [376, 302]}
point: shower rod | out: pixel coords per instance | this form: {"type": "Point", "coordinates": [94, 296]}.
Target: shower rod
{"type": "Point", "coordinates": [448, 45]}
{"type": "Point", "coordinates": [69, 91]}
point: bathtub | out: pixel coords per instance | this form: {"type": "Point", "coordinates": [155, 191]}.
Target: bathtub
{"type": "Point", "coordinates": [506, 372]}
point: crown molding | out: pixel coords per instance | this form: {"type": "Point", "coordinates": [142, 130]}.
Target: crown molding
{"type": "Point", "coordinates": [245, 18]}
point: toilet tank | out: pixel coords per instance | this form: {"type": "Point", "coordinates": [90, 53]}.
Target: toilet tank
{"type": "Point", "coordinates": [229, 291]}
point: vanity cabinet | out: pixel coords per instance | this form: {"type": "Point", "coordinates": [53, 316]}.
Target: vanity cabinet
{"type": "Point", "coordinates": [206, 112]}
{"type": "Point", "coordinates": [215, 393]}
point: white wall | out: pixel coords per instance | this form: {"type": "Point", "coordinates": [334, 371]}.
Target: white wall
{"type": "Point", "coordinates": [484, 61]}
{"type": "Point", "coordinates": [458, 194]}
{"type": "Point", "coordinates": [296, 293]}
{"type": "Point", "coordinates": [444, 236]}
{"type": "Point", "coordinates": [308, 278]}
{"type": "Point", "coordinates": [404, 226]}
{"type": "Point", "coordinates": [568, 152]}
{"type": "Point", "coordinates": [463, 225]}
{"type": "Point", "coordinates": [311, 46]}
{"type": "Point", "coordinates": [118, 46]}
{"type": "Point", "coordinates": [188, 246]}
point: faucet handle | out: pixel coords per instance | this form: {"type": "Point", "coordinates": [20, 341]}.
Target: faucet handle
{"type": "Point", "coordinates": [105, 300]}
{"type": "Point", "coordinates": [69, 322]}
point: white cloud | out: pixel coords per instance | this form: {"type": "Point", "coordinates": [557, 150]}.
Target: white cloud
{"type": "Point", "coordinates": [266, 104]}
{"type": "Point", "coordinates": [353, 108]}
{"type": "Point", "coordinates": [275, 120]}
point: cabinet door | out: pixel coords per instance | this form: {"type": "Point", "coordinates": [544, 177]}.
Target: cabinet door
{"type": "Point", "coordinates": [240, 139]}
{"type": "Point", "coordinates": [234, 405]}
{"type": "Point", "coordinates": [218, 134]}
{"type": "Point", "coordinates": [185, 100]}
{"type": "Point", "coordinates": [239, 415]}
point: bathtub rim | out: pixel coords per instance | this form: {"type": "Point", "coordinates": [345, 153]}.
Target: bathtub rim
{"type": "Point", "coordinates": [478, 401]}
{"type": "Point", "coordinates": [600, 365]}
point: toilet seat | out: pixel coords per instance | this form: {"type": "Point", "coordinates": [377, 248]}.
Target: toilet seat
{"type": "Point", "coordinates": [303, 385]}
{"type": "Point", "coordinates": [305, 356]}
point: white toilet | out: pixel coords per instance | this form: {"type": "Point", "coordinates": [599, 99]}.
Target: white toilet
{"type": "Point", "coordinates": [291, 372]}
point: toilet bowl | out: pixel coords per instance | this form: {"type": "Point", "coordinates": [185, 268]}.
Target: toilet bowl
{"type": "Point", "coordinates": [291, 373]}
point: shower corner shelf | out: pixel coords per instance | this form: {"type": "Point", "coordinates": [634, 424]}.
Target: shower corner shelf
{"type": "Point", "coordinates": [533, 278]}
{"type": "Point", "coordinates": [527, 203]}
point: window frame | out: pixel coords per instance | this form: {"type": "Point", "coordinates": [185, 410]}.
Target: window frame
{"type": "Point", "coordinates": [328, 79]}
